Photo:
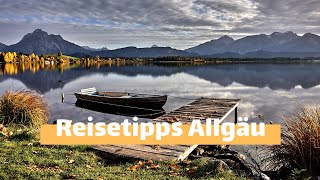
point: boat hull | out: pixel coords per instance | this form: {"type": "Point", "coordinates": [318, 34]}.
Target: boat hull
{"type": "Point", "coordinates": [123, 111]}
{"type": "Point", "coordinates": [153, 102]}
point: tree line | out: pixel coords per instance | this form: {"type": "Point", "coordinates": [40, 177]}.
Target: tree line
{"type": "Point", "coordinates": [13, 57]}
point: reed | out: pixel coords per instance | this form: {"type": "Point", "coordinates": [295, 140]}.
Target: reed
{"type": "Point", "coordinates": [23, 107]}
{"type": "Point", "coordinates": [300, 144]}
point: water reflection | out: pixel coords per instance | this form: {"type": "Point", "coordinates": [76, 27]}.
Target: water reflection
{"type": "Point", "coordinates": [267, 89]}
{"type": "Point", "coordinates": [274, 76]}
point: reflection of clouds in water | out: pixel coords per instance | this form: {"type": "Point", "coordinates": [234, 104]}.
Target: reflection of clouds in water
{"type": "Point", "coordinates": [254, 100]}
{"type": "Point", "coordinates": [11, 84]}
{"type": "Point", "coordinates": [309, 98]}
{"type": "Point", "coordinates": [68, 109]}
{"type": "Point", "coordinates": [247, 110]}
{"type": "Point", "coordinates": [265, 101]}
{"type": "Point", "coordinates": [285, 94]}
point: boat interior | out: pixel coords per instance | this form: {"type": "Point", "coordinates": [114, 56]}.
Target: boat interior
{"type": "Point", "coordinates": [93, 91]}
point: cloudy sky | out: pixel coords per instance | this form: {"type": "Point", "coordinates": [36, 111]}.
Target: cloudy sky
{"type": "Point", "coordinates": [142, 23]}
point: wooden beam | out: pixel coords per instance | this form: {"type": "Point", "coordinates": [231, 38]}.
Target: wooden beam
{"type": "Point", "coordinates": [229, 112]}
{"type": "Point", "coordinates": [236, 115]}
{"type": "Point", "coordinates": [186, 153]}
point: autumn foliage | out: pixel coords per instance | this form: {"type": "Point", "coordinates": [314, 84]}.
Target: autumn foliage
{"type": "Point", "coordinates": [8, 57]}
{"type": "Point", "coordinates": [12, 57]}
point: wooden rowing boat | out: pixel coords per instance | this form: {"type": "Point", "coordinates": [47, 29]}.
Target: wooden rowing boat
{"type": "Point", "coordinates": [122, 99]}
{"type": "Point", "coordinates": [117, 110]}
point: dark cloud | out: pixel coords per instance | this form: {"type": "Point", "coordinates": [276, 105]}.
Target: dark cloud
{"type": "Point", "coordinates": [177, 23]}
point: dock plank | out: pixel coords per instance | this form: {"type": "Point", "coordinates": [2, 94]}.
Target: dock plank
{"type": "Point", "coordinates": [164, 153]}
{"type": "Point", "coordinates": [201, 108]}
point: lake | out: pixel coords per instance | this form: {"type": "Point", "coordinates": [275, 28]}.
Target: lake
{"type": "Point", "coordinates": [270, 90]}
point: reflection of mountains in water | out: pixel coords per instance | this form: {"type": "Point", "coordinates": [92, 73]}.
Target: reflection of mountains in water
{"type": "Point", "coordinates": [274, 76]}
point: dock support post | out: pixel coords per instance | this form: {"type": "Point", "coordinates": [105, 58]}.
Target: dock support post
{"type": "Point", "coordinates": [236, 115]}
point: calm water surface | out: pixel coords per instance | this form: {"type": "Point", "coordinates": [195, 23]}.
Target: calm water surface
{"type": "Point", "coordinates": [266, 89]}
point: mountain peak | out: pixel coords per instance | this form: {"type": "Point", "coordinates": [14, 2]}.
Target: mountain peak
{"type": "Point", "coordinates": [309, 35]}
{"type": "Point", "coordinates": [287, 34]}
{"type": "Point", "coordinates": [226, 38]}
{"type": "Point", "coordinates": [213, 46]}
{"type": "Point", "coordinates": [39, 31]}
{"type": "Point", "coordinates": [313, 39]}
{"type": "Point", "coordinates": [40, 42]}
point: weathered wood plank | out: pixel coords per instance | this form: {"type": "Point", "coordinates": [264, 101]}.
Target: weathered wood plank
{"type": "Point", "coordinates": [200, 109]}
{"type": "Point", "coordinates": [143, 151]}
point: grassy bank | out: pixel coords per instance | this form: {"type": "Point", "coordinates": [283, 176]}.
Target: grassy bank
{"type": "Point", "coordinates": [22, 157]}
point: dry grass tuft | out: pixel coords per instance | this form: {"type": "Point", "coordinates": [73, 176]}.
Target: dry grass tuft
{"type": "Point", "coordinates": [23, 107]}
{"type": "Point", "coordinates": [300, 144]}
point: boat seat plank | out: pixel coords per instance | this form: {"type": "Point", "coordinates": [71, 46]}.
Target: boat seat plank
{"type": "Point", "coordinates": [113, 94]}
{"type": "Point", "coordinates": [88, 90]}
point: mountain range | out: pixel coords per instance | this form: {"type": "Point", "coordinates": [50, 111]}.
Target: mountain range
{"type": "Point", "coordinates": [94, 49]}
{"type": "Point", "coordinates": [277, 44]}
{"type": "Point", "coordinates": [134, 52]}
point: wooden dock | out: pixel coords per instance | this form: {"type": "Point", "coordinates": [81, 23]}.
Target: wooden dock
{"type": "Point", "coordinates": [201, 108]}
